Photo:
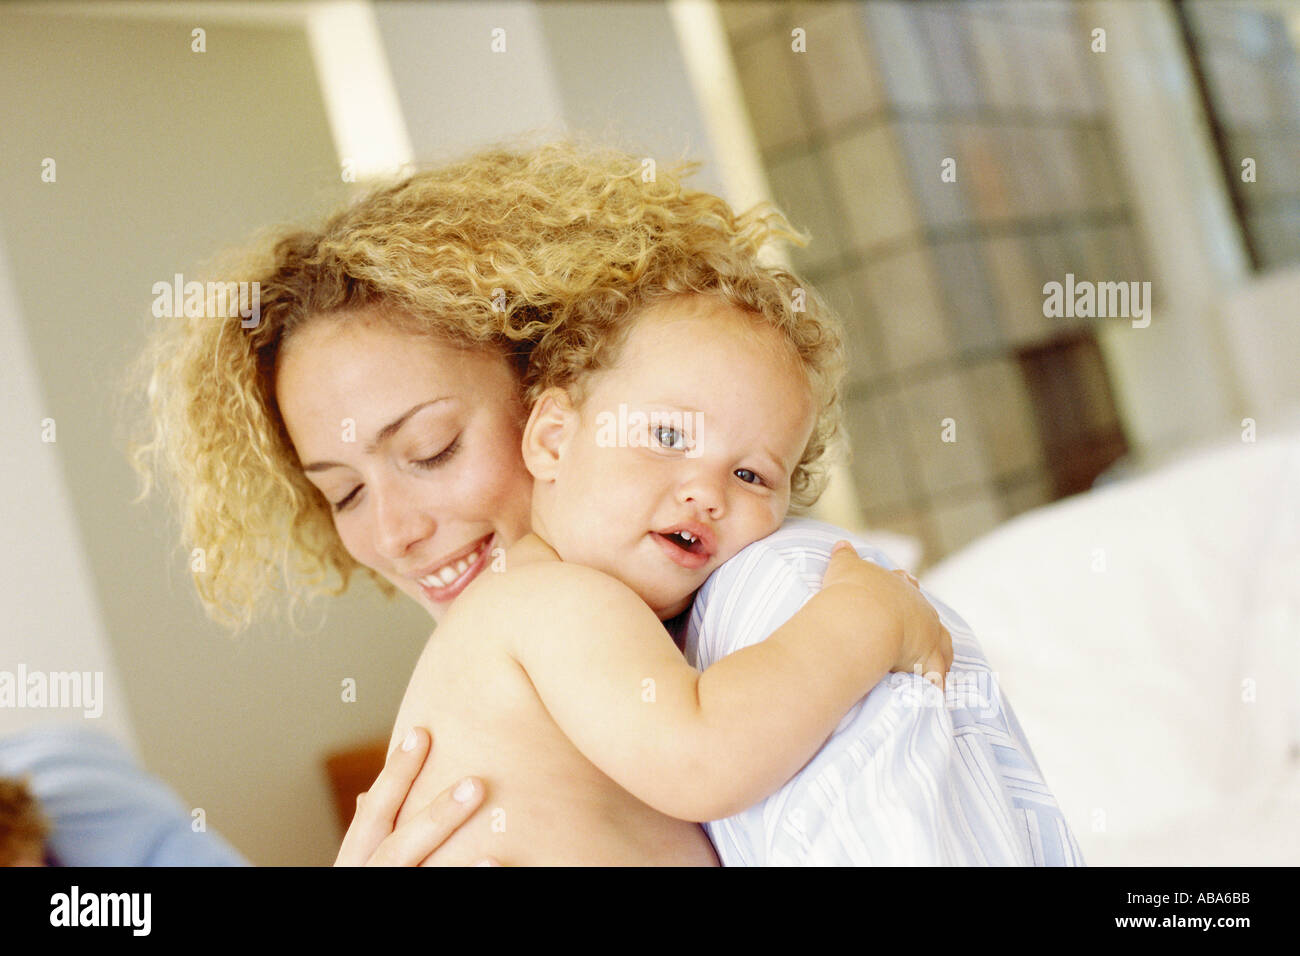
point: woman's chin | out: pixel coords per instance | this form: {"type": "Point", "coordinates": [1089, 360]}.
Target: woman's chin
{"type": "Point", "coordinates": [434, 609]}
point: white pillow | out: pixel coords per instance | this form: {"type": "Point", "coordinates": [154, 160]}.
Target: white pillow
{"type": "Point", "coordinates": [902, 549]}
{"type": "Point", "coordinates": [1146, 635]}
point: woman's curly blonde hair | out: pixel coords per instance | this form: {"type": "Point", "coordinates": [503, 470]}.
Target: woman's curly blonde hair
{"type": "Point", "coordinates": [509, 249]}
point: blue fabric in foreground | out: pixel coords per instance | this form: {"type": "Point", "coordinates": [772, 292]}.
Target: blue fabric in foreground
{"type": "Point", "coordinates": [105, 809]}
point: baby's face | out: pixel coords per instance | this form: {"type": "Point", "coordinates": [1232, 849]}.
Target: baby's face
{"type": "Point", "coordinates": [681, 455]}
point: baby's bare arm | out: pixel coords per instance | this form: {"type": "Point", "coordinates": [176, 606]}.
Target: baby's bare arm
{"type": "Point", "coordinates": [694, 746]}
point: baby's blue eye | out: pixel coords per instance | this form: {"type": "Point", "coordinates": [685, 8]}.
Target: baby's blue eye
{"type": "Point", "coordinates": [670, 437]}
{"type": "Point", "coordinates": [753, 478]}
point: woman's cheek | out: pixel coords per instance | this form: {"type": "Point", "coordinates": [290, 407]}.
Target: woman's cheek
{"type": "Point", "coordinates": [353, 538]}
{"type": "Point", "coordinates": [511, 491]}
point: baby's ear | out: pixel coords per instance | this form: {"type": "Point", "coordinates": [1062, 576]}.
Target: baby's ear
{"type": "Point", "coordinates": [546, 432]}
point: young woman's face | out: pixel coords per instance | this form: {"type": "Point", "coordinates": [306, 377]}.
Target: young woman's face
{"type": "Point", "coordinates": [414, 443]}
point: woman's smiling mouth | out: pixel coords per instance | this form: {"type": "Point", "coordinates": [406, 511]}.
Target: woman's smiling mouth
{"type": "Point", "coordinates": [444, 582]}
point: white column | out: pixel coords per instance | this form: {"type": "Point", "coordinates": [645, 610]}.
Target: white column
{"type": "Point", "coordinates": [1173, 382]}
{"type": "Point", "coordinates": [52, 619]}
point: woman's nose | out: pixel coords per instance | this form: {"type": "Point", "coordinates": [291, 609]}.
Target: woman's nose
{"type": "Point", "coordinates": [399, 520]}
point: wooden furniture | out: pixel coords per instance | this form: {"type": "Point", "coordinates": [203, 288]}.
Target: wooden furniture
{"type": "Point", "coordinates": [351, 773]}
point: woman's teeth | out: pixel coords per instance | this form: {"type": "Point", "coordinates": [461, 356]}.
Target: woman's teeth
{"type": "Point", "coordinates": [450, 572]}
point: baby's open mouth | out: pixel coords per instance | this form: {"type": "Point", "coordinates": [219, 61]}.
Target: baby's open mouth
{"type": "Point", "coordinates": [692, 547]}
{"type": "Point", "coordinates": [686, 541]}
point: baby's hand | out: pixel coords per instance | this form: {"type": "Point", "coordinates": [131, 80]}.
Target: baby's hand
{"type": "Point", "coordinates": [923, 644]}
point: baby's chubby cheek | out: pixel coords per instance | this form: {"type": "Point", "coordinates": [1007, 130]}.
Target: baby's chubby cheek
{"type": "Point", "coordinates": [769, 523]}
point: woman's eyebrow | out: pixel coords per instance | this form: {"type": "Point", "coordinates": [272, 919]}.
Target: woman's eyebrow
{"type": "Point", "coordinates": [385, 433]}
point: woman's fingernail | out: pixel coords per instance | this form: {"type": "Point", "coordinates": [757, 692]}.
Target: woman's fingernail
{"type": "Point", "coordinates": [464, 790]}
{"type": "Point", "coordinates": [408, 742]}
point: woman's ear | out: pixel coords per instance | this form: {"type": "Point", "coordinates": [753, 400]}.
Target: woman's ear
{"type": "Point", "coordinates": [546, 433]}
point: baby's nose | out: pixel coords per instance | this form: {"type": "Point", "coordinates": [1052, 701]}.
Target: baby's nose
{"type": "Point", "coordinates": [705, 493]}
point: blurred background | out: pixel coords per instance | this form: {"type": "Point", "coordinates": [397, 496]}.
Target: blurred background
{"type": "Point", "coordinates": [949, 160]}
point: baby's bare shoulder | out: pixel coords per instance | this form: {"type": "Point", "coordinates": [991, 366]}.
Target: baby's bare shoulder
{"type": "Point", "coordinates": [554, 584]}
{"type": "Point", "coordinates": [546, 596]}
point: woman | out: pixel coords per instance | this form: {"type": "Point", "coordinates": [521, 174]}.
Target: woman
{"type": "Point", "coordinates": [371, 417]}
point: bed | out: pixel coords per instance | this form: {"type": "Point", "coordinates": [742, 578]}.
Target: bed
{"type": "Point", "coordinates": [1146, 633]}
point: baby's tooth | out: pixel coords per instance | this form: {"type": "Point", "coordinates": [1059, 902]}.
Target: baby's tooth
{"type": "Point", "coordinates": [462, 566]}
{"type": "Point", "coordinates": [447, 575]}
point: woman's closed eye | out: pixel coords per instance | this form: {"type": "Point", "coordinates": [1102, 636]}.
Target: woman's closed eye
{"type": "Point", "coordinates": [344, 502]}
{"type": "Point", "coordinates": [442, 457]}
{"type": "Point", "coordinates": [424, 463]}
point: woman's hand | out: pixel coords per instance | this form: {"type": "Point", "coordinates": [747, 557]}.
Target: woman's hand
{"type": "Point", "coordinates": [371, 839]}
{"type": "Point", "coordinates": [925, 646]}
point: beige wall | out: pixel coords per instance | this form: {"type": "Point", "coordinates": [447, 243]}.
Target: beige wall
{"type": "Point", "coordinates": [52, 619]}
{"type": "Point", "coordinates": [162, 156]}
{"type": "Point", "coordinates": [437, 52]}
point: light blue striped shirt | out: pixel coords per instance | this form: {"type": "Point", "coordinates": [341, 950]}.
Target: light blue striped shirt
{"type": "Point", "coordinates": [912, 775]}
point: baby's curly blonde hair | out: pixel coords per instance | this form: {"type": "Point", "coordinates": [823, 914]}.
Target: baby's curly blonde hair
{"type": "Point", "coordinates": [508, 249]}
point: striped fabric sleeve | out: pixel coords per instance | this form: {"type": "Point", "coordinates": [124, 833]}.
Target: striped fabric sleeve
{"type": "Point", "coordinates": [912, 775]}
